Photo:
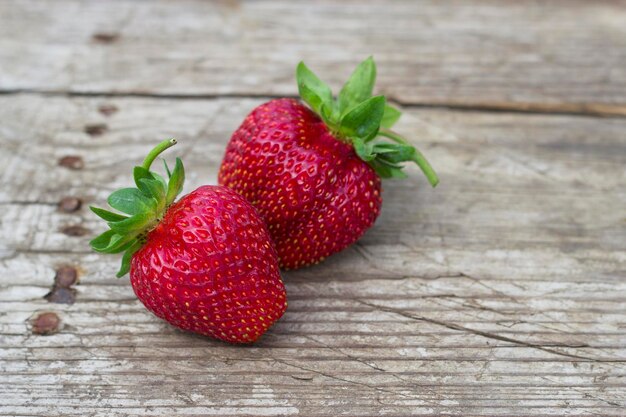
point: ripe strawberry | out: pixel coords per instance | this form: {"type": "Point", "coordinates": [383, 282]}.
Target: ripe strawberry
{"type": "Point", "coordinates": [204, 263]}
{"type": "Point", "coordinates": [315, 175]}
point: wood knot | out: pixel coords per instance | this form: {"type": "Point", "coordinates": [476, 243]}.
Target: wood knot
{"type": "Point", "coordinates": [70, 204]}
{"type": "Point", "coordinates": [107, 109]}
{"type": "Point", "coordinates": [66, 276]}
{"type": "Point", "coordinates": [61, 295]}
{"type": "Point", "coordinates": [46, 323]}
{"type": "Point", "coordinates": [96, 129]}
{"type": "Point", "coordinates": [62, 291]}
{"type": "Point", "coordinates": [105, 37]}
{"type": "Point", "coordinates": [75, 230]}
{"type": "Point", "coordinates": [72, 162]}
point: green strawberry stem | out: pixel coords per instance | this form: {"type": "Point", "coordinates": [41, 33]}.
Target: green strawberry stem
{"type": "Point", "coordinates": [143, 207]}
{"type": "Point", "coordinates": [168, 143]}
{"type": "Point", "coordinates": [360, 119]}
{"type": "Point", "coordinates": [418, 158]}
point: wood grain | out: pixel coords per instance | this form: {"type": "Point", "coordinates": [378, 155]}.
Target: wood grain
{"type": "Point", "coordinates": [501, 292]}
{"type": "Point", "coordinates": [557, 56]}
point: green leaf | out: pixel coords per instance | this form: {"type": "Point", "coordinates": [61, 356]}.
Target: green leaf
{"type": "Point", "coordinates": [328, 115]}
{"type": "Point", "coordinates": [152, 188]}
{"type": "Point", "coordinates": [126, 259]}
{"type": "Point", "coordinates": [359, 86]}
{"type": "Point", "coordinates": [390, 117]}
{"type": "Point", "coordinates": [395, 153]}
{"type": "Point", "coordinates": [140, 173]}
{"type": "Point", "coordinates": [387, 170]}
{"type": "Point", "coordinates": [155, 189]}
{"type": "Point", "coordinates": [363, 120]}
{"type": "Point", "coordinates": [131, 201]}
{"type": "Point", "coordinates": [167, 169]}
{"type": "Point", "coordinates": [150, 183]}
{"type": "Point", "coordinates": [175, 185]}
{"type": "Point", "coordinates": [159, 179]}
{"type": "Point", "coordinates": [134, 224]}
{"type": "Point", "coordinates": [102, 241]}
{"type": "Point", "coordinates": [404, 151]}
{"type": "Point", "coordinates": [363, 149]}
{"type": "Point", "coordinates": [107, 215]}
{"type": "Point", "coordinates": [313, 90]}
{"type": "Point", "coordinates": [118, 243]}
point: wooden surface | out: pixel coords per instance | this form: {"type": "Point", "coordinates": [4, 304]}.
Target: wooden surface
{"type": "Point", "coordinates": [500, 293]}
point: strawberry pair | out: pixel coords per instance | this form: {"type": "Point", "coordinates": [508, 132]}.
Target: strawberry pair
{"type": "Point", "coordinates": [297, 184]}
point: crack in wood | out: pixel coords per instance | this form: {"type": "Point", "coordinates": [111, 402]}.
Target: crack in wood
{"type": "Point", "coordinates": [588, 395]}
{"type": "Point", "coordinates": [343, 380]}
{"type": "Point", "coordinates": [493, 336]}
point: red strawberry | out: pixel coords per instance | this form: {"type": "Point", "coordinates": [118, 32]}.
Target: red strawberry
{"type": "Point", "coordinates": [315, 175]}
{"type": "Point", "coordinates": [204, 263]}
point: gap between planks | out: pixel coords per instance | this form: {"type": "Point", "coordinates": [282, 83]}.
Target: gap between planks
{"type": "Point", "coordinates": [550, 109]}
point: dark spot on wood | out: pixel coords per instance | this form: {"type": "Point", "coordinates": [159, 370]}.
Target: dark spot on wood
{"type": "Point", "coordinates": [302, 378]}
{"type": "Point", "coordinates": [96, 129]}
{"type": "Point", "coordinates": [70, 204]}
{"type": "Point", "coordinates": [66, 276]}
{"type": "Point", "coordinates": [46, 323]}
{"type": "Point", "coordinates": [75, 230]}
{"type": "Point", "coordinates": [61, 295]}
{"type": "Point", "coordinates": [62, 291]}
{"type": "Point", "coordinates": [107, 109]}
{"type": "Point", "coordinates": [72, 162]}
{"type": "Point", "coordinates": [105, 37]}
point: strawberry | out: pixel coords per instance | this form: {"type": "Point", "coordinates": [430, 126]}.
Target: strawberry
{"type": "Point", "coordinates": [204, 263]}
{"type": "Point", "coordinates": [315, 173]}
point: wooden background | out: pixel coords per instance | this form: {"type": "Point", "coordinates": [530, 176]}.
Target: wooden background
{"type": "Point", "coordinates": [500, 293]}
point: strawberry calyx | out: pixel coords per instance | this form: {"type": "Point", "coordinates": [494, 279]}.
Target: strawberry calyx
{"type": "Point", "coordinates": [363, 120]}
{"type": "Point", "coordinates": [143, 207]}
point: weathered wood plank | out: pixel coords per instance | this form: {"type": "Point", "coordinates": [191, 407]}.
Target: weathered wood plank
{"type": "Point", "coordinates": [499, 293]}
{"type": "Point", "coordinates": [565, 56]}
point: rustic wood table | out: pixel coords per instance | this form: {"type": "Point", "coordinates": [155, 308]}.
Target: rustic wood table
{"type": "Point", "coordinates": [501, 292]}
